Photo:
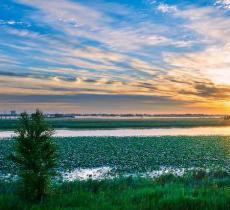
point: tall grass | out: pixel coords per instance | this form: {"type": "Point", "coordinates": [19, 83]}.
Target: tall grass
{"type": "Point", "coordinates": [168, 193]}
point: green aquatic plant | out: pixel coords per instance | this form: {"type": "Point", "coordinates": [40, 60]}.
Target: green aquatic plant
{"type": "Point", "coordinates": [134, 155]}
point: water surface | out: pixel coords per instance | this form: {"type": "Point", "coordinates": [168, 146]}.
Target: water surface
{"type": "Point", "coordinates": [195, 131]}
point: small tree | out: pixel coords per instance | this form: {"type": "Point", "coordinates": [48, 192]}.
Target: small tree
{"type": "Point", "coordinates": [35, 155]}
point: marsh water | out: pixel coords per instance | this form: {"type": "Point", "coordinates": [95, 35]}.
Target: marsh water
{"type": "Point", "coordinates": [194, 131]}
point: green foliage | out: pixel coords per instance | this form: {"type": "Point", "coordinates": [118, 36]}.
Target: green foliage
{"type": "Point", "coordinates": [167, 178]}
{"type": "Point", "coordinates": [138, 194]}
{"type": "Point", "coordinates": [135, 154]}
{"type": "Point", "coordinates": [144, 154]}
{"type": "Point", "coordinates": [35, 155]}
{"type": "Point", "coordinates": [124, 123]}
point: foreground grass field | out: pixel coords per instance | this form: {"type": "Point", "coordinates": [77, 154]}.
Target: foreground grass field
{"type": "Point", "coordinates": [124, 123]}
{"type": "Point", "coordinates": [134, 154]}
{"type": "Point", "coordinates": [197, 191]}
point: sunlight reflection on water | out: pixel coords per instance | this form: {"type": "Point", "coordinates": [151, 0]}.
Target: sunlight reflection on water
{"type": "Point", "coordinates": [196, 131]}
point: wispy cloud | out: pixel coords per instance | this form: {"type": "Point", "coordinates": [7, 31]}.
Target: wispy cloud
{"type": "Point", "coordinates": [165, 8]}
{"type": "Point", "coordinates": [158, 50]}
{"type": "Point", "coordinates": [223, 4]}
{"type": "Point", "coordinates": [10, 22]}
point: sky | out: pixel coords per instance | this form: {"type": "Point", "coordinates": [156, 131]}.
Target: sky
{"type": "Point", "coordinates": [115, 56]}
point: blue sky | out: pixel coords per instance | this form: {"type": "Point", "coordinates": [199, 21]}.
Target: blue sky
{"type": "Point", "coordinates": [117, 56]}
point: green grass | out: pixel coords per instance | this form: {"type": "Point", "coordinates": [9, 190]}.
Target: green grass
{"type": "Point", "coordinates": [124, 123]}
{"type": "Point", "coordinates": [194, 191]}
{"type": "Point", "coordinates": [134, 154]}
{"type": "Point", "coordinates": [165, 193]}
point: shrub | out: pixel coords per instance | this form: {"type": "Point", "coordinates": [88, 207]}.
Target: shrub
{"type": "Point", "coordinates": [35, 155]}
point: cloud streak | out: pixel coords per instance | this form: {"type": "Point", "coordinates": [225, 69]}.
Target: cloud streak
{"type": "Point", "coordinates": [158, 50]}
